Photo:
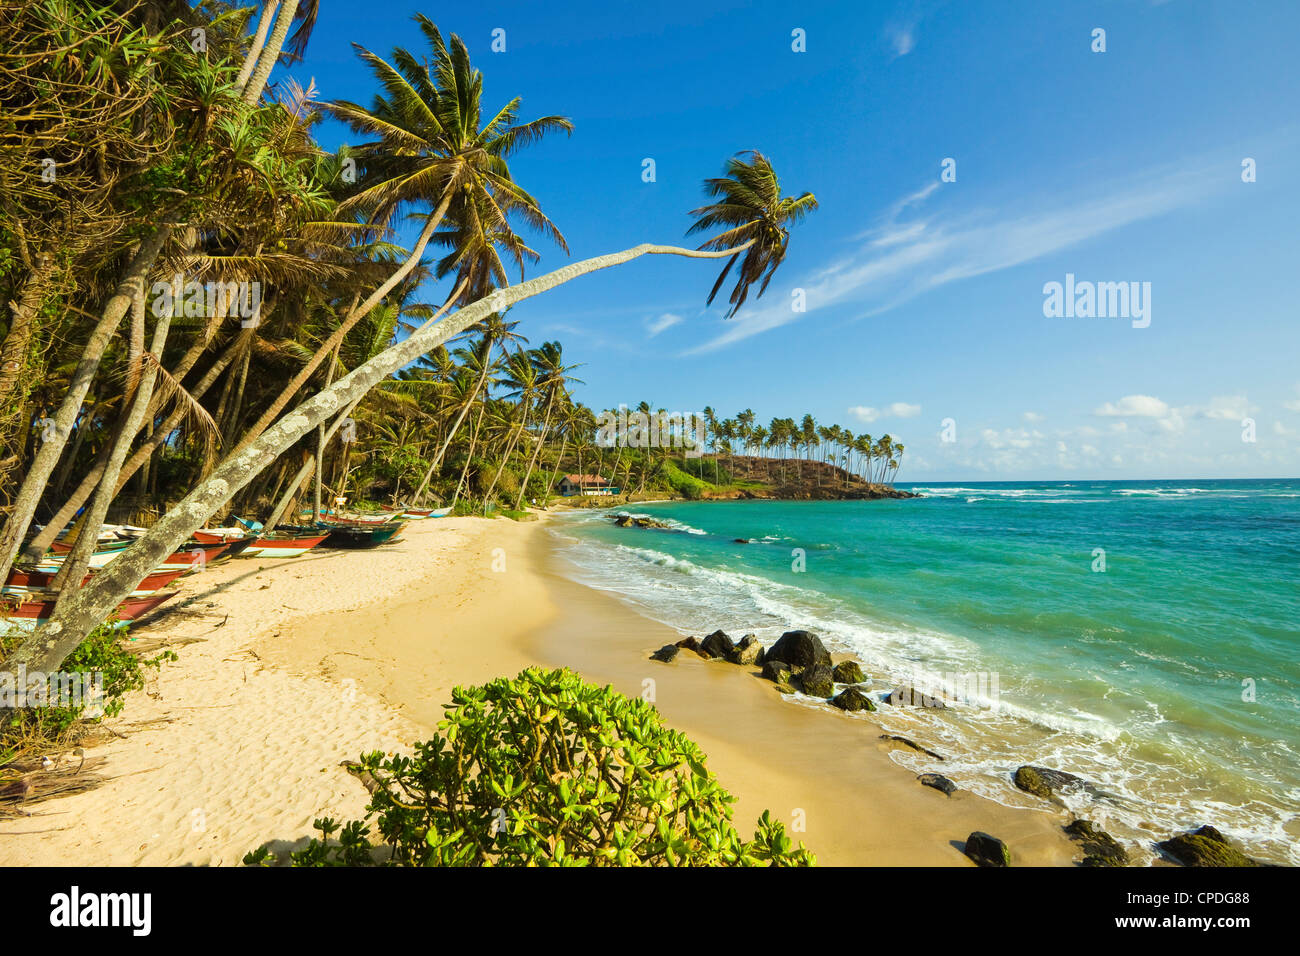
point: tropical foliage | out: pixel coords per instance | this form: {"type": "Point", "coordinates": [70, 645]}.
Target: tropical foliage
{"type": "Point", "coordinates": [546, 770]}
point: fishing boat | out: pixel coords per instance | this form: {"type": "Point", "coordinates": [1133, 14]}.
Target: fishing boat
{"type": "Point", "coordinates": [104, 544]}
{"type": "Point", "coordinates": [284, 545]}
{"type": "Point", "coordinates": [238, 539]}
{"type": "Point", "coordinates": [24, 611]}
{"type": "Point", "coordinates": [415, 514]}
{"type": "Point", "coordinates": [360, 535]}
{"type": "Point", "coordinates": [21, 582]}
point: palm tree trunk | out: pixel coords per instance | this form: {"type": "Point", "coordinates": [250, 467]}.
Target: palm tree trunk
{"type": "Point", "coordinates": [437, 459]}
{"type": "Point", "coordinates": [75, 564]}
{"type": "Point", "coordinates": [270, 53]}
{"type": "Point", "coordinates": [47, 456]}
{"type": "Point", "coordinates": [41, 542]}
{"type": "Point", "coordinates": [258, 42]}
{"type": "Point", "coordinates": [559, 463]}
{"type": "Point", "coordinates": [546, 425]}
{"type": "Point", "coordinates": [312, 462]}
{"type": "Point", "coordinates": [357, 313]}
{"type": "Point", "coordinates": [46, 649]}
{"type": "Point", "coordinates": [514, 440]}
{"type": "Point", "coordinates": [469, 458]}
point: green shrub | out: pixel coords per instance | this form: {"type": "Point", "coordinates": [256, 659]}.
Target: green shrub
{"type": "Point", "coordinates": [547, 770]}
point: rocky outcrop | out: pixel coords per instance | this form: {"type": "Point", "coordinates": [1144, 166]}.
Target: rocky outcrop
{"type": "Point", "coordinates": [748, 652]}
{"type": "Point", "coordinates": [1204, 847]}
{"type": "Point", "coordinates": [717, 644]}
{"type": "Point", "coordinates": [800, 480]}
{"type": "Point", "coordinates": [848, 672]}
{"type": "Point", "coordinates": [1099, 847]}
{"type": "Point", "coordinates": [852, 699]}
{"type": "Point", "coordinates": [799, 649]}
{"type": "Point", "coordinates": [631, 521]}
{"type": "Point", "coordinates": [668, 653]}
{"type": "Point", "coordinates": [938, 781]}
{"type": "Point", "coordinates": [987, 850]}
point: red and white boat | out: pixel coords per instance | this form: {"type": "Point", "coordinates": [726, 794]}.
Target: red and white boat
{"type": "Point", "coordinates": [288, 546]}
{"type": "Point", "coordinates": [41, 606]}
{"type": "Point", "coordinates": [20, 582]}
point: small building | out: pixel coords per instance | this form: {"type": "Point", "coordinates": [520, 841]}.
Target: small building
{"type": "Point", "coordinates": [585, 485]}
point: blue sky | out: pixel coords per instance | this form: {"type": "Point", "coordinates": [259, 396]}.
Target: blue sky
{"type": "Point", "coordinates": [924, 299]}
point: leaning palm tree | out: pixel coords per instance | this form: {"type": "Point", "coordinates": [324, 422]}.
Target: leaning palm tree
{"type": "Point", "coordinates": [751, 210]}
{"type": "Point", "coordinates": [554, 380]}
{"type": "Point", "coordinates": [46, 649]}
{"type": "Point", "coordinates": [432, 151]}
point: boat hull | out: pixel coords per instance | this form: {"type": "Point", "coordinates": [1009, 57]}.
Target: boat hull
{"type": "Point", "coordinates": [290, 547]}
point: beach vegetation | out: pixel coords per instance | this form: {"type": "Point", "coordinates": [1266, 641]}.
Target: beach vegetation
{"type": "Point", "coordinates": [545, 769]}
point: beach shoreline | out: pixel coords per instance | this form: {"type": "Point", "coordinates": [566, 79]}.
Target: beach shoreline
{"type": "Point", "coordinates": [289, 669]}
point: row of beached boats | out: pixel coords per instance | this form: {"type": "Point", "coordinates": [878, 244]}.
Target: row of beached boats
{"type": "Point", "coordinates": [29, 596]}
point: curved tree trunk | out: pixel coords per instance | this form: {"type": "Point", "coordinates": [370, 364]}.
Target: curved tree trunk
{"type": "Point", "coordinates": [41, 542]}
{"type": "Point", "coordinates": [75, 564]}
{"type": "Point", "coordinates": [47, 456]}
{"type": "Point", "coordinates": [541, 440]}
{"type": "Point", "coordinates": [446, 443]}
{"type": "Point", "coordinates": [350, 320]}
{"type": "Point", "coordinates": [46, 649]}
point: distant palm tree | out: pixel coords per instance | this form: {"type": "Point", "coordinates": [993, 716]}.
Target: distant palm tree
{"type": "Point", "coordinates": [752, 209]}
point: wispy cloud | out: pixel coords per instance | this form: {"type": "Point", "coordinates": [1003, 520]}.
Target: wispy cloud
{"type": "Point", "coordinates": [865, 413]}
{"type": "Point", "coordinates": [1134, 406]}
{"type": "Point", "coordinates": [665, 321]}
{"type": "Point", "coordinates": [902, 39]}
{"type": "Point", "coordinates": [901, 259]}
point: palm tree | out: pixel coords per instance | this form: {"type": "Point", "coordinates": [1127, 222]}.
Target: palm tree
{"type": "Point", "coordinates": [752, 210]}
{"type": "Point", "coordinates": [553, 381]}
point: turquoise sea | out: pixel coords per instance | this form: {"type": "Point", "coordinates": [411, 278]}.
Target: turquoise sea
{"type": "Point", "coordinates": [1142, 634]}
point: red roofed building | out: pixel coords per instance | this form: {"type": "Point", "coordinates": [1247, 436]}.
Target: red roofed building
{"type": "Point", "coordinates": [585, 485]}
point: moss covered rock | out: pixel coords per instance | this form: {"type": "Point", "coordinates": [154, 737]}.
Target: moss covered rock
{"type": "Point", "coordinates": [1045, 783]}
{"type": "Point", "coordinates": [816, 681]}
{"type": "Point", "coordinates": [1099, 847]}
{"type": "Point", "coordinates": [848, 672]}
{"type": "Point", "coordinates": [1204, 847]}
{"type": "Point", "coordinates": [852, 699]}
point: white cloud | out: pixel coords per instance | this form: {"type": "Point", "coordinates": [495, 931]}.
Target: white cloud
{"type": "Point", "coordinates": [1228, 407]}
{"type": "Point", "coordinates": [1032, 417]}
{"type": "Point", "coordinates": [665, 321]}
{"type": "Point", "coordinates": [865, 413]}
{"type": "Point", "coordinates": [1134, 406]}
{"type": "Point", "coordinates": [1293, 405]}
{"type": "Point", "coordinates": [903, 40]}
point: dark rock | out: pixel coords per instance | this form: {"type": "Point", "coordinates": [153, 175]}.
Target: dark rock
{"type": "Point", "coordinates": [848, 672]}
{"type": "Point", "coordinates": [938, 781]}
{"type": "Point", "coordinates": [987, 850]}
{"type": "Point", "coordinates": [911, 697]}
{"type": "Point", "coordinates": [622, 520]}
{"type": "Point", "coordinates": [776, 671]}
{"type": "Point", "coordinates": [1204, 847]}
{"type": "Point", "coordinates": [747, 652]}
{"type": "Point", "coordinates": [667, 653]}
{"type": "Point", "coordinates": [1099, 847]}
{"type": "Point", "coordinates": [717, 644]}
{"type": "Point", "coordinates": [799, 649]}
{"type": "Point", "coordinates": [742, 540]}
{"type": "Point", "coordinates": [693, 644]}
{"type": "Point", "coordinates": [1045, 783]}
{"type": "Point", "coordinates": [816, 681]}
{"type": "Point", "coordinates": [852, 699]}
{"type": "Point", "coordinates": [906, 742]}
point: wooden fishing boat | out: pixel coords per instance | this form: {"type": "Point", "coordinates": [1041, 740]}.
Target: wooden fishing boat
{"type": "Point", "coordinates": [238, 540]}
{"type": "Point", "coordinates": [40, 605]}
{"type": "Point", "coordinates": [20, 581]}
{"type": "Point", "coordinates": [348, 535]}
{"type": "Point", "coordinates": [415, 514]}
{"type": "Point", "coordinates": [284, 546]}
{"type": "Point", "coordinates": [115, 544]}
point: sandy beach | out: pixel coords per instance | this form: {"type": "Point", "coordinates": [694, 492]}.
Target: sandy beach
{"type": "Point", "coordinates": [288, 668]}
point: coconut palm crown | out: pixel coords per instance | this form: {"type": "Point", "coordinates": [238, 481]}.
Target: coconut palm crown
{"type": "Point", "coordinates": [752, 210]}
